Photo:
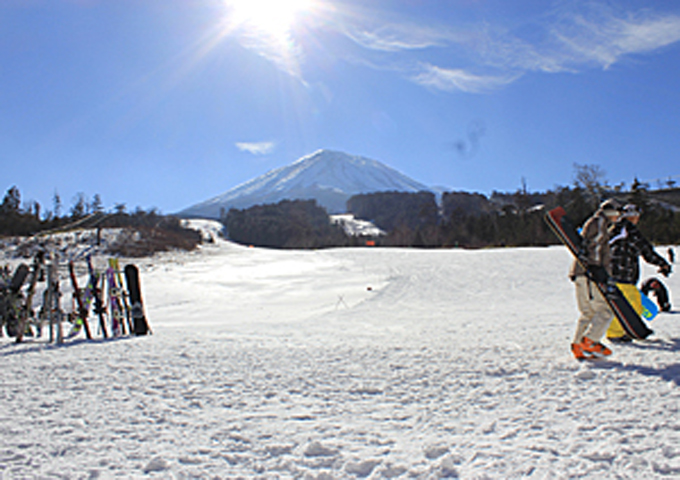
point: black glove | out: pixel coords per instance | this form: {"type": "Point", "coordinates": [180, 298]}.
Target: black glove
{"type": "Point", "coordinates": [665, 270]}
{"type": "Point", "coordinates": [597, 274]}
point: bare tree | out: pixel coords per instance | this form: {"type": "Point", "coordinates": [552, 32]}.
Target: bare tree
{"type": "Point", "coordinates": [590, 178]}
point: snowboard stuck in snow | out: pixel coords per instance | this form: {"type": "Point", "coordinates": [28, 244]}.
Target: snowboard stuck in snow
{"type": "Point", "coordinates": [139, 324]}
{"type": "Point", "coordinates": [11, 298]}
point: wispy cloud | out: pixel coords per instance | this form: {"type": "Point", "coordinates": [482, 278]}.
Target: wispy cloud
{"type": "Point", "coordinates": [458, 79]}
{"type": "Point", "coordinates": [475, 57]}
{"type": "Point", "coordinates": [256, 148]}
{"type": "Point", "coordinates": [573, 41]}
{"type": "Point", "coordinates": [283, 52]}
{"type": "Point", "coordinates": [605, 37]}
{"type": "Point", "coordinates": [396, 37]}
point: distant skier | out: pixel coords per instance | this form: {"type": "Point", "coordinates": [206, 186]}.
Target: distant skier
{"type": "Point", "coordinates": [671, 255]}
{"type": "Point", "coordinates": [595, 312]}
{"type": "Point", "coordinates": [627, 244]}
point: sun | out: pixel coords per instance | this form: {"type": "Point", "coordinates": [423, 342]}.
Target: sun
{"type": "Point", "coordinates": [273, 18]}
{"type": "Point", "coordinates": [277, 30]}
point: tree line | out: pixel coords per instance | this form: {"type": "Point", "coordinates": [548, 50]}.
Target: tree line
{"type": "Point", "coordinates": [472, 220]}
{"type": "Point", "coordinates": [30, 219]}
{"type": "Point", "coordinates": [287, 224]}
{"type": "Point", "coordinates": [461, 219]}
{"type": "Point", "coordinates": [149, 231]}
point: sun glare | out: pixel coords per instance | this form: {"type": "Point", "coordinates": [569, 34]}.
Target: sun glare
{"type": "Point", "coordinates": [274, 18]}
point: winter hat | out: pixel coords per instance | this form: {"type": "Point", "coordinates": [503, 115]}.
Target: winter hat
{"type": "Point", "coordinates": [631, 210]}
{"type": "Point", "coordinates": [610, 207]}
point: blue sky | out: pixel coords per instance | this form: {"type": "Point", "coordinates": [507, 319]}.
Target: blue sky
{"type": "Point", "coordinates": [165, 103]}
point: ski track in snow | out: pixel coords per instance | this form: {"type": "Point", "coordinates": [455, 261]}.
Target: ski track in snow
{"type": "Point", "coordinates": [349, 363]}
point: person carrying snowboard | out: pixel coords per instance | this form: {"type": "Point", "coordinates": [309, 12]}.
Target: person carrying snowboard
{"type": "Point", "coordinates": [595, 314]}
{"type": "Point", "coordinates": [627, 244]}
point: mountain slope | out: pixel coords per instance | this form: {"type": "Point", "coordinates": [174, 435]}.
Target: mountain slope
{"type": "Point", "coordinates": [329, 177]}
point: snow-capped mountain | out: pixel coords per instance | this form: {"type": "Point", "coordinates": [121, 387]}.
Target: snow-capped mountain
{"type": "Point", "coordinates": [329, 177]}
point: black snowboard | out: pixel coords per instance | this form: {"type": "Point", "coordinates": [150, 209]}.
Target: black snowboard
{"type": "Point", "coordinates": [139, 322]}
{"type": "Point", "coordinates": [10, 300]}
{"type": "Point", "coordinates": [628, 317]}
{"type": "Point", "coordinates": [34, 276]}
{"type": "Point", "coordinates": [18, 278]}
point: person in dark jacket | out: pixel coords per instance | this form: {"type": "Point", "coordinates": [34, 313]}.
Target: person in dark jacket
{"type": "Point", "coordinates": [627, 244]}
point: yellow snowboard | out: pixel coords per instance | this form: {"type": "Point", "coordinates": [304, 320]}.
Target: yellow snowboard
{"type": "Point", "coordinates": [634, 297]}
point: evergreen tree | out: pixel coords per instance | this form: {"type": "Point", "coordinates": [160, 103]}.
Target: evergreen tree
{"type": "Point", "coordinates": [11, 204]}
{"type": "Point", "coordinates": [96, 206]}
{"type": "Point", "coordinates": [56, 202]}
{"type": "Point", "coordinates": [79, 208]}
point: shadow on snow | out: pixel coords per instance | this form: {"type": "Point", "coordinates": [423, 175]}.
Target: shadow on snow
{"type": "Point", "coordinates": [27, 346]}
{"type": "Point", "coordinates": [669, 373]}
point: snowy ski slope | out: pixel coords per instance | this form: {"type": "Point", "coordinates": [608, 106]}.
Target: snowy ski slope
{"type": "Point", "coordinates": [347, 363]}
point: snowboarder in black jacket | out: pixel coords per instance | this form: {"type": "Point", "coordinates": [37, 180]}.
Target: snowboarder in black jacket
{"type": "Point", "coordinates": [627, 244]}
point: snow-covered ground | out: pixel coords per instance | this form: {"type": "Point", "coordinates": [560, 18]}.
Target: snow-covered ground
{"type": "Point", "coordinates": [347, 363]}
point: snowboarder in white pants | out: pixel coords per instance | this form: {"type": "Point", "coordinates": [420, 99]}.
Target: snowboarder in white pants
{"type": "Point", "coordinates": [595, 312]}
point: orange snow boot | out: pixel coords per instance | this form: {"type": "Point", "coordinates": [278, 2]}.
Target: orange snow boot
{"type": "Point", "coordinates": [578, 351]}
{"type": "Point", "coordinates": [596, 349]}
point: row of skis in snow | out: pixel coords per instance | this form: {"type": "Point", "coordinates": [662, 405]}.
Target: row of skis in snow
{"type": "Point", "coordinates": [108, 305]}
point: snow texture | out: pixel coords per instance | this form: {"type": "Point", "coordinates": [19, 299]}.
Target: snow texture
{"type": "Point", "coordinates": [347, 363]}
{"type": "Point", "coordinates": [328, 176]}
